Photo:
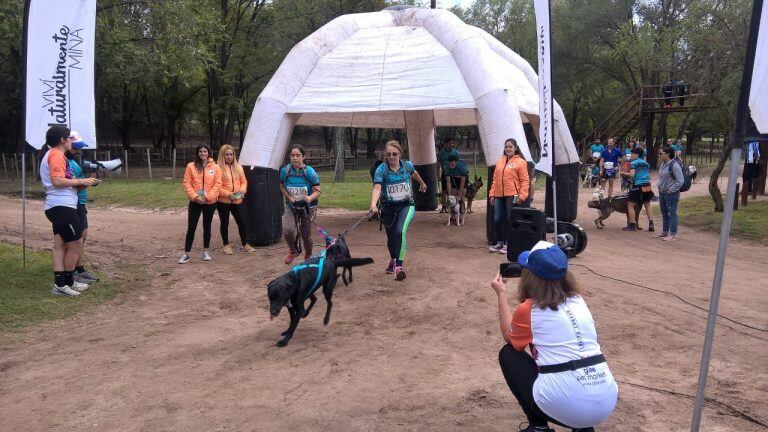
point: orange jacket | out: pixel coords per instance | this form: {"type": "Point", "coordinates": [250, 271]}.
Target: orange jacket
{"type": "Point", "coordinates": [510, 178]}
{"type": "Point", "coordinates": [209, 181]}
{"type": "Point", "coordinates": [232, 181]}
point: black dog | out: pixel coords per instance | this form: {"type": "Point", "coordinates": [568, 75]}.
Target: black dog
{"type": "Point", "coordinates": [292, 289]}
{"type": "Point", "coordinates": [472, 189]}
{"type": "Point", "coordinates": [606, 206]}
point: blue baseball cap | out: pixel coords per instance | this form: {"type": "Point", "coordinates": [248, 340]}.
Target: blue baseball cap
{"type": "Point", "coordinates": [545, 260]}
{"type": "Point", "coordinates": [77, 141]}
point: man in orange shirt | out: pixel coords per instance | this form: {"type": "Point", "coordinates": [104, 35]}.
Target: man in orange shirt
{"type": "Point", "coordinates": [61, 209]}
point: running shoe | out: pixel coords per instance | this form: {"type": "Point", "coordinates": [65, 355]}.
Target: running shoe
{"type": "Point", "coordinates": [88, 277]}
{"type": "Point", "coordinates": [228, 249]}
{"type": "Point", "coordinates": [661, 235]}
{"type": "Point", "coordinates": [399, 273]}
{"type": "Point", "coordinates": [290, 257]}
{"type": "Point", "coordinates": [79, 286]}
{"type": "Point", "coordinates": [63, 291]}
{"type": "Point", "coordinates": [495, 248]}
{"type": "Point", "coordinates": [78, 277]}
{"type": "Point", "coordinates": [184, 259]}
{"type": "Point", "coordinates": [248, 248]}
{"type": "Point", "coordinates": [630, 228]}
{"type": "Point", "coordinates": [206, 256]}
{"type": "Point", "coordinates": [671, 237]}
{"type": "Point", "coordinates": [391, 267]}
{"type": "Point", "coordinates": [503, 249]}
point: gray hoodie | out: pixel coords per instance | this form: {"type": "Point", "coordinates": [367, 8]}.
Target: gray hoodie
{"type": "Point", "coordinates": [669, 183]}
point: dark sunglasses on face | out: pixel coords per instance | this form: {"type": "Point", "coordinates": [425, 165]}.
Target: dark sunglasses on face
{"type": "Point", "coordinates": [391, 154]}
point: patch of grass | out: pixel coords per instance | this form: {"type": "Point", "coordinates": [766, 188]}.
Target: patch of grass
{"type": "Point", "coordinates": [159, 194]}
{"type": "Point", "coordinates": [750, 222]}
{"type": "Point", "coordinates": [26, 298]}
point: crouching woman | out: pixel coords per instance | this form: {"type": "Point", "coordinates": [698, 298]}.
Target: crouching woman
{"type": "Point", "coordinates": [565, 378]}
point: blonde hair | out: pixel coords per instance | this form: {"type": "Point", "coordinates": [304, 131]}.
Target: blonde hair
{"type": "Point", "coordinates": [222, 164]}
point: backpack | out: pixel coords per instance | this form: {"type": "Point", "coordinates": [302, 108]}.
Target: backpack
{"type": "Point", "coordinates": [687, 180]}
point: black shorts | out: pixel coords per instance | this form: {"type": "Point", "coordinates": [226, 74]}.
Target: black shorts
{"type": "Point", "coordinates": [82, 213]}
{"type": "Point", "coordinates": [65, 223]}
{"type": "Point", "coordinates": [610, 174]}
{"type": "Point", "coordinates": [640, 194]}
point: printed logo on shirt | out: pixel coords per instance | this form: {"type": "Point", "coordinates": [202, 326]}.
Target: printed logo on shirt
{"type": "Point", "coordinates": [210, 171]}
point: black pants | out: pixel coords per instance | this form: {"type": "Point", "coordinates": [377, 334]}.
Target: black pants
{"type": "Point", "coordinates": [193, 216]}
{"type": "Point", "coordinates": [396, 219]}
{"type": "Point", "coordinates": [237, 212]}
{"type": "Point", "coordinates": [502, 215]}
{"type": "Point", "coordinates": [520, 372]}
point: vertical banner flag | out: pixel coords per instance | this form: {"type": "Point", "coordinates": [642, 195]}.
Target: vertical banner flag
{"type": "Point", "coordinates": [545, 87]}
{"type": "Point", "coordinates": [758, 94]}
{"type": "Point", "coordinates": [60, 43]}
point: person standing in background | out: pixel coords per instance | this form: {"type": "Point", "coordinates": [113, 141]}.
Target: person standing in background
{"type": "Point", "coordinates": [81, 274]}
{"type": "Point", "coordinates": [202, 184]}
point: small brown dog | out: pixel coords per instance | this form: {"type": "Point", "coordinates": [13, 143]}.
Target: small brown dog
{"type": "Point", "coordinates": [472, 189]}
{"type": "Point", "coordinates": [606, 206]}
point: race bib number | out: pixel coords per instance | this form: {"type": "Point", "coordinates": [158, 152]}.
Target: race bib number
{"type": "Point", "coordinates": [399, 191]}
{"type": "Point", "coordinates": [297, 192]}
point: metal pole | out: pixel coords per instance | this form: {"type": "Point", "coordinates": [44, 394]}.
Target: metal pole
{"type": "Point", "coordinates": [725, 228]}
{"type": "Point", "coordinates": [552, 123]}
{"type": "Point", "coordinates": [109, 157]}
{"type": "Point", "coordinates": [125, 153]}
{"type": "Point", "coordinates": [149, 164]}
{"type": "Point", "coordinates": [5, 167]}
{"type": "Point", "coordinates": [16, 163]}
{"type": "Point", "coordinates": [24, 210]}
{"type": "Point", "coordinates": [174, 162]}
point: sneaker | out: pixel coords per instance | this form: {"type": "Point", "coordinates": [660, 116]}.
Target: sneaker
{"type": "Point", "coordinates": [88, 277]}
{"type": "Point", "coordinates": [391, 267]}
{"type": "Point", "coordinates": [662, 235]}
{"type": "Point", "coordinates": [79, 286]}
{"type": "Point", "coordinates": [495, 248]}
{"type": "Point", "coordinates": [399, 273]}
{"type": "Point", "coordinates": [206, 256]}
{"type": "Point", "coordinates": [630, 228]}
{"type": "Point", "coordinates": [503, 249]}
{"type": "Point", "coordinates": [537, 429]}
{"type": "Point", "coordinates": [63, 291]}
{"type": "Point", "coordinates": [78, 277]}
{"type": "Point", "coordinates": [650, 226]}
{"type": "Point", "coordinates": [184, 259]}
{"type": "Point", "coordinates": [290, 257]}
{"type": "Point", "coordinates": [248, 248]}
{"type": "Point", "coordinates": [671, 237]}
{"type": "Point", "coordinates": [228, 249]}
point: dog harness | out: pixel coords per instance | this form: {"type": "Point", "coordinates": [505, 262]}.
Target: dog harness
{"type": "Point", "coordinates": [318, 266]}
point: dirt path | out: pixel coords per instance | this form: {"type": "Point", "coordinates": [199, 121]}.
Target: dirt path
{"type": "Point", "coordinates": [194, 350]}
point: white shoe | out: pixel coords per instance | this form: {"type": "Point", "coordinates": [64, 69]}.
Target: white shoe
{"type": "Point", "coordinates": [64, 291]}
{"type": "Point", "coordinates": [79, 286]}
{"type": "Point", "coordinates": [206, 256]}
{"type": "Point", "coordinates": [495, 248]}
{"type": "Point", "coordinates": [503, 249]}
{"type": "Point", "coordinates": [184, 259]}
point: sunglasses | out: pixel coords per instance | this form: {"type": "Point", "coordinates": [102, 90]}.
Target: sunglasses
{"type": "Point", "coordinates": [391, 154]}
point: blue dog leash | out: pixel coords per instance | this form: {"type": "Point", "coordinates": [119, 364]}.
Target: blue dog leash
{"type": "Point", "coordinates": [319, 267]}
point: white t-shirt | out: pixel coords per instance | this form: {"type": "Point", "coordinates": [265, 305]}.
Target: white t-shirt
{"type": "Point", "coordinates": [581, 398]}
{"type": "Point", "coordinates": [55, 164]}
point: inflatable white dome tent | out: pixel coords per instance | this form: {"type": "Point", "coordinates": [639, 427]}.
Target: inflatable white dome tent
{"type": "Point", "coordinates": [412, 68]}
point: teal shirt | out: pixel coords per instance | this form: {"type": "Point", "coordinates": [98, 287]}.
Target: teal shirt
{"type": "Point", "coordinates": [395, 185]}
{"type": "Point", "coordinates": [596, 148]}
{"type": "Point", "coordinates": [677, 147]}
{"type": "Point", "coordinates": [443, 156]}
{"type": "Point", "coordinates": [461, 170]}
{"type": "Point", "coordinates": [300, 182]}
{"type": "Point", "coordinates": [77, 172]}
{"type": "Point", "coordinates": [642, 172]}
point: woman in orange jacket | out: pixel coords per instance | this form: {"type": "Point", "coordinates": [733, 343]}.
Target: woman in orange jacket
{"type": "Point", "coordinates": [233, 187]}
{"type": "Point", "coordinates": [509, 189]}
{"type": "Point", "coordinates": [202, 183]}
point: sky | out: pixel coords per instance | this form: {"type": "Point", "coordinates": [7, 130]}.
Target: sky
{"type": "Point", "coordinates": [451, 3]}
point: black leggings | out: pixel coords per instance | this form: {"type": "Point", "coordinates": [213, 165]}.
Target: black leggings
{"type": "Point", "coordinates": [396, 219]}
{"type": "Point", "coordinates": [193, 216]}
{"type": "Point", "coordinates": [520, 372]}
{"type": "Point", "coordinates": [237, 212]}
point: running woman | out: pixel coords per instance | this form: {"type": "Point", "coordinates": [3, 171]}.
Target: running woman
{"type": "Point", "coordinates": [392, 183]}
{"type": "Point", "coordinates": [565, 379]}
{"type": "Point", "coordinates": [233, 187]}
{"type": "Point", "coordinates": [202, 183]}
{"type": "Point", "coordinates": [81, 274]}
{"type": "Point", "coordinates": [300, 185]}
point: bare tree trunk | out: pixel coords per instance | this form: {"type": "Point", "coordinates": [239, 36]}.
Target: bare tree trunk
{"type": "Point", "coordinates": [714, 189]}
{"type": "Point", "coordinates": [338, 141]}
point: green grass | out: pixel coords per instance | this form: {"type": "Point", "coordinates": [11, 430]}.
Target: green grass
{"type": "Point", "coordinates": [26, 298]}
{"type": "Point", "coordinates": [750, 222]}
{"type": "Point", "coordinates": [159, 194]}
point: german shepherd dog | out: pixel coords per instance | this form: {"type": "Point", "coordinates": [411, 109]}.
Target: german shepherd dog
{"type": "Point", "coordinates": [293, 288]}
{"type": "Point", "coordinates": [606, 206]}
{"type": "Point", "coordinates": [471, 193]}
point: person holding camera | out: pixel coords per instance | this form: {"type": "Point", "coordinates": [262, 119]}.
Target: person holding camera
{"type": "Point", "coordinates": [233, 187]}
{"type": "Point", "coordinates": [565, 379]}
{"type": "Point", "coordinates": [81, 274]}
{"type": "Point", "coordinates": [300, 186]}
{"type": "Point", "coordinates": [202, 183]}
{"type": "Point", "coordinates": [509, 189]}
{"type": "Point", "coordinates": [61, 210]}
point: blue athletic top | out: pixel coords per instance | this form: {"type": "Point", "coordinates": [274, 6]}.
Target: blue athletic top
{"type": "Point", "coordinates": [443, 155]}
{"type": "Point", "coordinates": [299, 182]}
{"type": "Point", "coordinates": [677, 147]}
{"type": "Point", "coordinates": [611, 155]}
{"type": "Point", "coordinates": [395, 186]}
{"type": "Point", "coordinates": [596, 148]}
{"type": "Point", "coordinates": [642, 172]}
{"type": "Point", "coordinates": [77, 172]}
{"type": "Point", "coordinates": [461, 170]}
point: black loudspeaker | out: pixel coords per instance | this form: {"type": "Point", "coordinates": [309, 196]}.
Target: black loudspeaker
{"type": "Point", "coordinates": [490, 226]}
{"type": "Point", "coordinates": [527, 227]}
{"type": "Point", "coordinates": [263, 206]}
{"type": "Point", "coordinates": [426, 201]}
{"type": "Point", "coordinates": [567, 192]}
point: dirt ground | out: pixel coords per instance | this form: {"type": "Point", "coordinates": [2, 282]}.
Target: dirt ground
{"type": "Point", "coordinates": [193, 349]}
